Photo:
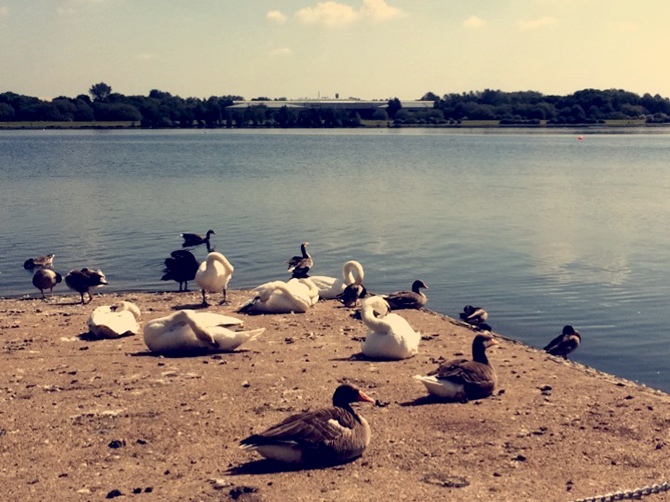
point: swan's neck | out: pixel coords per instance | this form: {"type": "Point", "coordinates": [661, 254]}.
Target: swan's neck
{"type": "Point", "coordinates": [305, 254]}
{"type": "Point", "coordinates": [371, 320]}
{"type": "Point", "coordinates": [353, 273]}
{"type": "Point", "coordinates": [224, 261]}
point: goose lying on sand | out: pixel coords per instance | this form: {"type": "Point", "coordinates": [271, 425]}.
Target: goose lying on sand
{"type": "Point", "coordinates": [414, 299]}
{"type": "Point", "coordinates": [322, 437]}
{"type": "Point", "coordinates": [461, 379]}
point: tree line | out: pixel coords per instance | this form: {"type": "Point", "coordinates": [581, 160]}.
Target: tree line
{"type": "Point", "coordinates": [162, 109]}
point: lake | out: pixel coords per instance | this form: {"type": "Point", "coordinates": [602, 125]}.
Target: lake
{"type": "Point", "coordinates": [540, 228]}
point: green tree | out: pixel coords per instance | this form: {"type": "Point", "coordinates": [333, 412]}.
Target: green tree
{"type": "Point", "coordinates": [394, 107]}
{"type": "Point", "coordinates": [100, 92]}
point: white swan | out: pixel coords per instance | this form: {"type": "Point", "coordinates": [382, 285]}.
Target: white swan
{"type": "Point", "coordinates": [305, 286]}
{"type": "Point", "coordinates": [330, 287]}
{"type": "Point", "coordinates": [113, 321]}
{"type": "Point", "coordinates": [195, 331]}
{"type": "Point", "coordinates": [390, 336]}
{"type": "Point", "coordinates": [214, 274]}
{"type": "Point", "coordinates": [278, 297]}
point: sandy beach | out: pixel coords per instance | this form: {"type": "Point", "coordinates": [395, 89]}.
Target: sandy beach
{"type": "Point", "coordinates": [84, 419]}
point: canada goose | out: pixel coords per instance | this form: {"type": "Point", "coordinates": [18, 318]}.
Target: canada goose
{"type": "Point", "coordinates": [322, 437]}
{"type": "Point", "coordinates": [40, 261]}
{"type": "Point", "coordinates": [181, 267]}
{"type": "Point", "coordinates": [461, 379]}
{"type": "Point", "coordinates": [46, 278]}
{"type": "Point", "coordinates": [389, 335]}
{"type": "Point", "coordinates": [196, 239]}
{"type": "Point", "coordinates": [565, 343]}
{"type": "Point", "coordinates": [299, 265]}
{"type": "Point", "coordinates": [414, 299]}
{"type": "Point", "coordinates": [82, 281]}
{"type": "Point", "coordinates": [214, 274]}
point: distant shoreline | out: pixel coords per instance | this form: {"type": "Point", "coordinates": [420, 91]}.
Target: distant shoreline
{"type": "Point", "coordinates": [366, 124]}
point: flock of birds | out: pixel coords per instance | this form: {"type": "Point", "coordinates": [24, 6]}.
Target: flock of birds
{"type": "Point", "coordinates": [328, 435]}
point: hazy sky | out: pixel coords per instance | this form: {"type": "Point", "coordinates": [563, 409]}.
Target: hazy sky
{"type": "Point", "coordinates": [307, 48]}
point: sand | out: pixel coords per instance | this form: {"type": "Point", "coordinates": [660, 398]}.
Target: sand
{"type": "Point", "coordinates": [93, 420]}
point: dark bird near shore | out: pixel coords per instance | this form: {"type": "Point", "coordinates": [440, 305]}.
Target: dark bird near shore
{"type": "Point", "coordinates": [461, 379]}
{"type": "Point", "coordinates": [180, 267]}
{"type": "Point", "coordinates": [40, 261]}
{"type": "Point", "coordinates": [299, 265]}
{"type": "Point", "coordinates": [322, 437]}
{"type": "Point", "coordinates": [46, 278]}
{"type": "Point", "coordinates": [349, 297]}
{"type": "Point", "coordinates": [565, 343]}
{"type": "Point", "coordinates": [476, 316]}
{"type": "Point", "coordinates": [196, 239]}
{"type": "Point", "coordinates": [82, 281]}
{"type": "Point", "coordinates": [414, 299]}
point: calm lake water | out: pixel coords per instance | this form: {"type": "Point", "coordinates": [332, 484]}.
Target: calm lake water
{"type": "Point", "coordinates": [541, 229]}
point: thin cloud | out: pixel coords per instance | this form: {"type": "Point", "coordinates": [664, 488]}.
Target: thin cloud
{"type": "Point", "coordinates": [69, 7]}
{"type": "Point", "coordinates": [276, 17]}
{"type": "Point", "coordinates": [145, 56]}
{"type": "Point", "coordinates": [281, 51]}
{"type": "Point", "coordinates": [474, 22]}
{"type": "Point", "coordinates": [334, 14]}
{"type": "Point", "coordinates": [537, 23]}
{"type": "Point", "coordinates": [379, 10]}
{"type": "Point", "coordinates": [4, 11]}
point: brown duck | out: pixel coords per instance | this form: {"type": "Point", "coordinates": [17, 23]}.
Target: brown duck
{"type": "Point", "coordinates": [461, 379]}
{"type": "Point", "coordinates": [322, 437]}
{"type": "Point", "coordinates": [565, 343]}
{"type": "Point", "coordinates": [414, 299]}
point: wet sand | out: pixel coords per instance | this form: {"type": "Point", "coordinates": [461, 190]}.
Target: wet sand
{"type": "Point", "coordinates": [91, 420]}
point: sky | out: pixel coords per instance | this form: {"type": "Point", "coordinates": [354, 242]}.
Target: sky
{"type": "Point", "coordinates": [366, 49]}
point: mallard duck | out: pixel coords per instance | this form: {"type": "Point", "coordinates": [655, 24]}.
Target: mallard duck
{"type": "Point", "coordinates": [299, 265]}
{"type": "Point", "coordinates": [330, 287]}
{"type": "Point", "coordinates": [565, 343]}
{"type": "Point", "coordinates": [46, 278]}
{"type": "Point", "coordinates": [322, 437]}
{"type": "Point", "coordinates": [460, 379]}
{"type": "Point", "coordinates": [84, 280]}
{"type": "Point", "coordinates": [279, 297]}
{"type": "Point", "coordinates": [114, 321]}
{"type": "Point", "coordinates": [189, 331]}
{"type": "Point", "coordinates": [414, 299]}
{"type": "Point", "coordinates": [40, 261]}
{"type": "Point", "coordinates": [214, 275]}
{"type": "Point", "coordinates": [196, 239]}
{"type": "Point", "coordinates": [390, 336]}
{"type": "Point", "coordinates": [181, 267]}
